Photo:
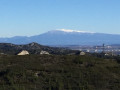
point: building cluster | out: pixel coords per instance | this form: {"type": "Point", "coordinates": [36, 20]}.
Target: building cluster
{"type": "Point", "coordinates": [108, 50]}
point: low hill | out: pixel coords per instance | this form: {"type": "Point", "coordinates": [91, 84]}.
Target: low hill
{"type": "Point", "coordinates": [33, 48]}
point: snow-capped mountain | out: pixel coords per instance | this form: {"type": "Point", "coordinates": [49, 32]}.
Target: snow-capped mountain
{"type": "Point", "coordinates": [66, 31]}
{"type": "Point", "coordinates": [66, 37]}
{"type": "Point", "coordinates": [73, 31]}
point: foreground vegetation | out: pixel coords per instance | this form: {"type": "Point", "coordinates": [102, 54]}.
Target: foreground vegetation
{"type": "Point", "coordinates": [58, 72]}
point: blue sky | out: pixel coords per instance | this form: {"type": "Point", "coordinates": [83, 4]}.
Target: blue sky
{"type": "Point", "coordinates": [33, 17]}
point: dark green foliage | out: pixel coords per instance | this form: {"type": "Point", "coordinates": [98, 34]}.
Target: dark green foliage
{"type": "Point", "coordinates": [58, 72]}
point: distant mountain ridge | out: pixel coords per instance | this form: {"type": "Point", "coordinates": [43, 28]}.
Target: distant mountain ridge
{"type": "Point", "coordinates": [66, 37]}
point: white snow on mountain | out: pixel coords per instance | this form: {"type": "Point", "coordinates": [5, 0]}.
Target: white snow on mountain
{"type": "Point", "coordinates": [70, 31]}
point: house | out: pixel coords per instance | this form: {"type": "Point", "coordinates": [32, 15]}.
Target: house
{"type": "Point", "coordinates": [44, 52]}
{"type": "Point", "coordinates": [23, 52]}
{"type": "Point", "coordinates": [110, 54]}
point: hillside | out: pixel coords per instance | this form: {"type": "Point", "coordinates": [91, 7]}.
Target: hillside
{"type": "Point", "coordinates": [33, 48]}
{"type": "Point", "coordinates": [58, 72]}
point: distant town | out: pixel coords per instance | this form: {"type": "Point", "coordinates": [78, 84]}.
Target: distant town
{"type": "Point", "coordinates": [107, 49]}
